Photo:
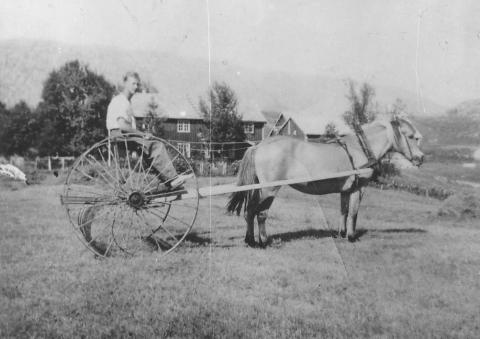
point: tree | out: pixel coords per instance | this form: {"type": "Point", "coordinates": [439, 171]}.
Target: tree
{"type": "Point", "coordinates": [73, 109]}
{"type": "Point", "coordinates": [19, 127]}
{"type": "Point", "coordinates": [331, 130]}
{"type": "Point", "coordinates": [4, 121]}
{"type": "Point", "coordinates": [221, 115]}
{"type": "Point", "coordinates": [361, 111]}
{"type": "Point", "coordinates": [153, 120]}
{"type": "Point", "coordinates": [147, 87]}
{"type": "Point", "coordinates": [398, 108]}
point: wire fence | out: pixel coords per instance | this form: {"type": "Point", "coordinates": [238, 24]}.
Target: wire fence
{"type": "Point", "coordinates": [202, 167]}
{"type": "Point", "coordinates": [207, 159]}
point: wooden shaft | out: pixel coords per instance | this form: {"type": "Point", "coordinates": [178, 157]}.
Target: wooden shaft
{"type": "Point", "coordinates": [232, 188]}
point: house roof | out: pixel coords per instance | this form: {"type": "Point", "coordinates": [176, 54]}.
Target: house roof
{"type": "Point", "coordinates": [315, 124]}
{"type": "Point", "coordinates": [272, 118]}
{"type": "Point", "coordinates": [253, 116]}
{"type": "Point", "coordinates": [142, 104]}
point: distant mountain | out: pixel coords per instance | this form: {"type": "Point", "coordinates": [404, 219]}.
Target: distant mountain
{"type": "Point", "coordinates": [449, 130]}
{"type": "Point", "coordinates": [469, 108]}
{"type": "Point", "coordinates": [459, 127]}
{"type": "Point", "coordinates": [311, 100]}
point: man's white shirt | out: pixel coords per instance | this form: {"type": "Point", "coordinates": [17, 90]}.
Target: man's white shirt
{"type": "Point", "coordinates": [119, 107]}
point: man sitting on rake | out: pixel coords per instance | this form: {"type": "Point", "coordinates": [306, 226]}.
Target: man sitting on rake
{"type": "Point", "coordinates": [120, 120]}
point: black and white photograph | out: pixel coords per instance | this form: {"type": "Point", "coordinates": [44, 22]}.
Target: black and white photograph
{"type": "Point", "coordinates": [239, 169]}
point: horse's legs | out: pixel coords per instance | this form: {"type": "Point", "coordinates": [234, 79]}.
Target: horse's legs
{"type": "Point", "coordinates": [266, 200]}
{"type": "Point", "coordinates": [344, 202]}
{"type": "Point", "coordinates": [262, 231]}
{"type": "Point", "coordinates": [354, 204]}
{"type": "Point", "coordinates": [249, 236]}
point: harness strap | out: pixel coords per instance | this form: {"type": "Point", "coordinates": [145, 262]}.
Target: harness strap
{"type": "Point", "coordinates": [365, 145]}
{"type": "Point", "coordinates": [344, 146]}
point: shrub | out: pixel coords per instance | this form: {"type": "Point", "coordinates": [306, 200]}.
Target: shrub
{"type": "Point", "coordinates": [461, 205]}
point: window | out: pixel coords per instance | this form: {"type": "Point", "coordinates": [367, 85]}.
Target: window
{"type": "Point", "coordinates": [183, 126]}
{"type": "Point", "coordinates": [249, 128]}
{"type": "Point", "coordinates": [184, 148]}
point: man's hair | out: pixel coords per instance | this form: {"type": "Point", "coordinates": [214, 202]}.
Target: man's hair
{"type": "Point", "coordinates": [131, 74]}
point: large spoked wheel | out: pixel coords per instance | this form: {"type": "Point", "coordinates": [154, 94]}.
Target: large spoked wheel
{"type": "Point", "coordinates": [128, 194]}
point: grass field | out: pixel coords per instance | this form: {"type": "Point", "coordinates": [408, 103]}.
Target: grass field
{"type": "Point", "coordinates": [411, 274]}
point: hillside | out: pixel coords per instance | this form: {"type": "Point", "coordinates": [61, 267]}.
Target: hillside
{"type": "Point", "coordinates": [470, 109]}
{"type": "Point", "coordinates": [312, 100]}
{"type": "Point", "coordinates": [460, 126]}
{"type": "Point", "coordinates": [446, 130]}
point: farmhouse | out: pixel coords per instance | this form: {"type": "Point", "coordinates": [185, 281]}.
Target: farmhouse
{"type": "Point", "coordinates": [183, 126]}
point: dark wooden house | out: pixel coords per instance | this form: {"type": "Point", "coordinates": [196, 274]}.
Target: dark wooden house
{"type": "Point", "coordinates": [182, 126]}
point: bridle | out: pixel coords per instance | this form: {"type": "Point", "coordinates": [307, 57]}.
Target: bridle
{"type": "Point", "coordinates": [398, 135]}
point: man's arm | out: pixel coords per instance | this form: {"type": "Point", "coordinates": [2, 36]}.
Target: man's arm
{"type": "Point", "coordinates": [125, 125]}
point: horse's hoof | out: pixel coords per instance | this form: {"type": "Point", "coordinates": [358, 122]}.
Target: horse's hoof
{"type": "Point", "coordinates": [352, 238]}
{"type": "Point", "coordinates": [250, 242]}
{"type": "Point", "coordinates": [343, 234]}
{"type": "Point", "coordinates": [263, 244]}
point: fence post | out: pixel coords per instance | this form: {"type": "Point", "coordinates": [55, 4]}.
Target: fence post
{"type": "Point", "coordinates": [63, 164]}
{"type": "Point", "coordinates": [49, 164]}
{"type": "Point", "coordinates": [224, 168]}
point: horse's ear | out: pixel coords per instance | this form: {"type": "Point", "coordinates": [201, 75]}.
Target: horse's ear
{"type": "Point", "coordinates": [395, 121]}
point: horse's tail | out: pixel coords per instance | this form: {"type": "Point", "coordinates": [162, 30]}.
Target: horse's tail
{"type": "Point", "coordinates": [246, 176]}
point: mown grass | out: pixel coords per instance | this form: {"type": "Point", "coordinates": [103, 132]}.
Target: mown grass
{"type": "Point", "coordinates": [411, 274]}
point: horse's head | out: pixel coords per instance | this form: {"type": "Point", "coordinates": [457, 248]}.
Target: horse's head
{"type": "Point", "coordinates": [406, 140]}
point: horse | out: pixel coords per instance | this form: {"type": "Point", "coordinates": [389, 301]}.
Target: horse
{"type": "Point", "coordinates": [284, 157]}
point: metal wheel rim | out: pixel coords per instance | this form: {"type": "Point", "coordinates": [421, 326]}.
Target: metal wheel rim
{"type": "Point", "coordinates": [81, 212]}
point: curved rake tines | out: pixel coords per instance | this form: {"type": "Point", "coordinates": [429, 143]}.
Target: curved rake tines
{"type": "Point", "coordinates": [117, 200]}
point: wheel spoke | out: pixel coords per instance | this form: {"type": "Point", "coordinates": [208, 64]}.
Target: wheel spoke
{"type": "Point", "coordinates": [127, 235]}
{"type": "Point", "coordinates": [135, 183]}
{"type": "Point", "coordinates": [85, 190]}
{"type": "Point", "coordinates": [91, 158]}
{"type": "Point", "coordinates": [115, 185]}
{"type": "Point", "coordinates": [128, 160]}
{"type": "Point", "coordinates": [108, 164]}
{"type": "Point", "coordinates": [149, 187]}
{"type": "Point", "coordinates": [118, 168]}
{"type": "Point", "coordinates": [169, 216]}
{"type": "Point", "coordinates": [146, 176]}
{"type": "Point", "coordinates": [161, 226]}
{"type": "Point", "coordinates": [110, 244]}
{"type": "Point", "coordinates": [141, 170]}
{"type": "Point", "coordinates": [97, 217]}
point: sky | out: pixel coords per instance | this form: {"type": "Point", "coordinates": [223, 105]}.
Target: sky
{"type": "Point", "coordinates": [430, 47]}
